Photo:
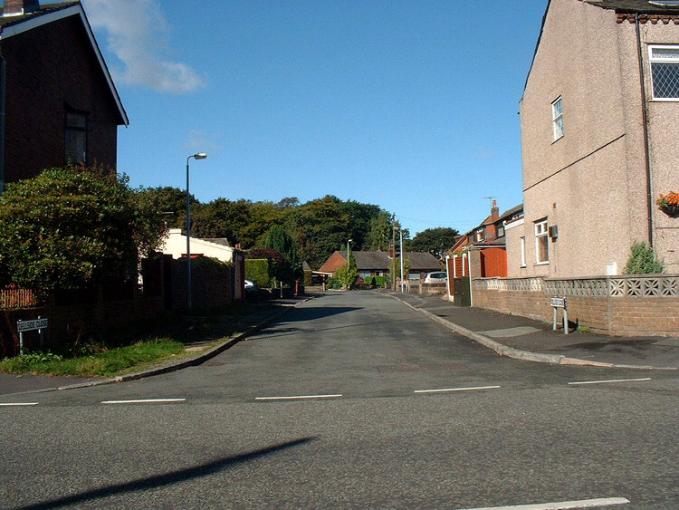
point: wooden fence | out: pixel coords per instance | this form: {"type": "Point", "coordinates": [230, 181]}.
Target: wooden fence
{"type": "Point", "coordinates": [14, 298]}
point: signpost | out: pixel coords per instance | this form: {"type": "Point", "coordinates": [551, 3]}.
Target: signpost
{"type": "Point", "coordinates": [557, 303]}
{"type": "Point", "coordinates": [36, 324]}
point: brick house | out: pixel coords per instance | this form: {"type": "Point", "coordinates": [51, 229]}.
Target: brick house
{"type": "Point", "coordinates": [60, 103]}
{"type": "Point", "coordinates": [599, 124]}
{"type": "Point", "coordinates": [484, 246]}
{"type": "Point", "coordinates": [378, 263]}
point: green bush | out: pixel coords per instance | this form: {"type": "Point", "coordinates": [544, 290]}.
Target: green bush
{"type": "Point", "coordinates": [643, 260]}
{"type": "Point", "coordinates": [257, 270]}
{"type": "Point", "coordinates": [71, 228]}
{"type": "Point", "coordinates": [347, 274]}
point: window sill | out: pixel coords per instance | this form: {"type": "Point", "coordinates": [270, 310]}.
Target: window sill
{"type": "Point", "coordinates": [665, 100]}
{"type": "Point", "coordinates": [542, 263]}
{"type": "Point", "coordinates": [560, 138]}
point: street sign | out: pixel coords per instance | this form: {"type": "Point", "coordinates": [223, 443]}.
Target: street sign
{"type": "Point", "coordinates": [559, 302]}
{"type": "Point", "coordinates": [31, 325]}
{"type": "Point", "coordinates": [38, 324]}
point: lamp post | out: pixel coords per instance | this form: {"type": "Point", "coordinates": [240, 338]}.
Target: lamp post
{"type": "Point", "coordinates": [197, 155]}
{"type": "Point", "coordinates": [400, 232]}
{"type": "Point", "coordinates": [349, 241]}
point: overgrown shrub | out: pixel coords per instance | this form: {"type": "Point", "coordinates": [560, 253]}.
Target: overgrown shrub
{"type": "Point", "coordinates": [278, 266]}
{"type": "Point", "coordinates": [257, 270]}
{"type": "Point", "coordinates": [72, 228]}
{"type": "Point", "coordinates": [643, 260]}
{"type": "Point", "coordinates": [347, 274]}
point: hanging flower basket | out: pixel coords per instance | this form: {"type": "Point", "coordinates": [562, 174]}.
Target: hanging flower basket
{"type": "Point", "coordinates": [669, 204]}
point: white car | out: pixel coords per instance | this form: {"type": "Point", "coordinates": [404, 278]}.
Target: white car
{"type": "Point", "coordinates": [436, 277]}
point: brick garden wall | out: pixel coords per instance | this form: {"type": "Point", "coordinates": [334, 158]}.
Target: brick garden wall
{"type": "Point", "coordinates": [68, 323]}
{"type": "Point", "coordinates": [624, 315]}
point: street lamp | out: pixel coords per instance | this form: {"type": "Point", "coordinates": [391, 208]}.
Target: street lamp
{"type": "Point", "coordinates": [197, 155]}
{"type": "Point", "coordinates": [349, 241]}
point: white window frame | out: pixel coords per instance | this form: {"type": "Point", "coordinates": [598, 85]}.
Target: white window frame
{"type": "Point", "coordinates": [652, 61]}
{"type": "Point", "coordinates": [541, 230]}
{"type": "Point", "coordinates": [522, 245]}
{"type": "Point", "coordinates": [480, 237]}
{"type": "Point", "coordinates": [558, 129]}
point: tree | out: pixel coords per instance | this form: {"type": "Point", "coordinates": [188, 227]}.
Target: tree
{"type": "Point", "coordinates": [278, 266]}
{"type": "Point", "coordinates": [222, 218]}
{"type": "Point", "coordinates": [278, 239]}
{"type": "Point", "coordinates": [347, 274]}
{"type": "Point", "coordinates": [434, 240]}
{"type": "Point", "coordinates": [320, 227]}
{"type": "Point", "coordinates": [380, 231]}
{"type": "Point", "coordinates": [360, 218]}
{"type": "Point", "coordinates": [74, 228]}
{"type": "Point", "coordinates": [643, 260]}
{"type": "Point", "coordinates": [168, 201]}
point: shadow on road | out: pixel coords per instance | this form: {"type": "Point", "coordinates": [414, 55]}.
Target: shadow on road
{"type": "Point", "coordinates": [173, 477]}
{"type": "Point", "coordinates": [309, 313]}
{"type": "Point", "coordinates": [279, 332]}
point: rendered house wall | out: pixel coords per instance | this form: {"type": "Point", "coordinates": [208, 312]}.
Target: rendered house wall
{"type": "Point", "coordinates": [591, 183]}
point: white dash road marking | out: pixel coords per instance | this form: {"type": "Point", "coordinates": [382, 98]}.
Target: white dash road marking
{"type": "Point", "coordinates": [611, 381]}
{"type": "Point", "coordinates": [17, 404]}
{"type": "Point", "coordinates": [561, 505]}
{"type": "Point", "coordinates": [443, 390]}
{"type": "Point", "coordinates": [145, 401]}
{"type": "Point", "coordinates": [298, 397]}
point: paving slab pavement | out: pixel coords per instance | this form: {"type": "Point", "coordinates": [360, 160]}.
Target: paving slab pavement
{"type": "Point", "coordinates": [531, 336]}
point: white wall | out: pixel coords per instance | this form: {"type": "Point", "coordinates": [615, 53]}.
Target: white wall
{"type": "Point", "coordinates": [175, 245]}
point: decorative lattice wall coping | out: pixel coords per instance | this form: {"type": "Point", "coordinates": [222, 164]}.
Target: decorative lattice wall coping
{"type": "Point", "coordinates": [603, 286]}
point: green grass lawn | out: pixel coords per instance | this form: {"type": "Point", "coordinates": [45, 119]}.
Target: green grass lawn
{"type": "Point", "coordinates": [108, 362]}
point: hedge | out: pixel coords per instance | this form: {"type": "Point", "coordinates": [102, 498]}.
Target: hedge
{"type": "Point", "coordinates": [257, 270]}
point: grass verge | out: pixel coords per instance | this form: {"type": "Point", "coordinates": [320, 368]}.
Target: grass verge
{"type": "Point", "coordinates": [106, 363]}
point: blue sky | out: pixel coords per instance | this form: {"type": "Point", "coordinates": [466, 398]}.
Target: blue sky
{"type": "Point", "coordinates": [408, 105]}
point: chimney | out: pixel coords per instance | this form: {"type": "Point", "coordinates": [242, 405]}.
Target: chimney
{"type": "Point", "coordinates": [19, 7]}
{"type": "Point", "coordinates": [494, 211]}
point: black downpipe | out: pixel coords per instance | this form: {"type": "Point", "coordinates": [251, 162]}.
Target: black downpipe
{"type": "Point", "coordinates": [647, 149]}
{"type": "Point", "coordinates": [3, 76]}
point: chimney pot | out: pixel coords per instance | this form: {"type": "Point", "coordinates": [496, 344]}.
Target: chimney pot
{"type": "Point", "coordinates": [19, 7]}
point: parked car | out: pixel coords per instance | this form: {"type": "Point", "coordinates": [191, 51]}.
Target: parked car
{"type": "Point", "coordinates": [250, 287]}
{"type": "Point", "coordinates": [436, 277]}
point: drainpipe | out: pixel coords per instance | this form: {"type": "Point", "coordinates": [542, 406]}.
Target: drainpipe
{"type": "Point", "coordinates": [3, 74]}
{"type": "Point", "coordinates": [471, 292]}
{"type": "Point", "coordinates": [647, 144]}
{"type": "Point", "coordinates": [448, 277]}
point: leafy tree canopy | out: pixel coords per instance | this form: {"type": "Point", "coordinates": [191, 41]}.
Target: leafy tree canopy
{"type": "Point", "coordinates": [74, 227]}
{"type": "Point", "coordinates": [434, 240]}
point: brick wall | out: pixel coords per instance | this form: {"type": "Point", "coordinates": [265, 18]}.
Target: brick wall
{"type": "Point", "coordinates": [78, 322]}
{"type": "Point", "coordinates": [49, 69]}
{"type": "Point", "coordinates": [624, 316]}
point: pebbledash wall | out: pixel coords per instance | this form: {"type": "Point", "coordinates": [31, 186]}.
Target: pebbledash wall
{"type": "Point", "coordinates": [615, 305]}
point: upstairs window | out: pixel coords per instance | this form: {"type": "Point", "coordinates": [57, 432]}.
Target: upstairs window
{"type": "Point", "coordinates": [541, 242]}
{"type": "Point", "coordinates": [665, 71]}
{"type": "Point", "coordinates": [479, 235]}
{"type": "Point", "coordinates": [500, 231]}
{"type": "Point", "coordinates": [557, 118]}
{"type": "Point", "coordinates": [76, 138]}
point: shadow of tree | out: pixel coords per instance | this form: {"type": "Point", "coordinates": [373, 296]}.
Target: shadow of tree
{"type": "Point", "coordinates": [162, 480]}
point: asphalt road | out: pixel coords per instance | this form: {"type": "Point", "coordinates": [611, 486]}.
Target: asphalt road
{"type": "Point", "coordinates": [374, 436]}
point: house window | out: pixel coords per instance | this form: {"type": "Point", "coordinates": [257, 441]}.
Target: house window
{"type": "Point", "coordinates": [500, 231]}
{"type": "Point", "coordinates": [479, 235]}
{"type": "Point", "coordinates": [665, 71]}
{"type": "Point", "coordinates": [522, 241]}
{"type": "Point", "coordinates": [76, 138]}
{"type": "Point", "coordinates": [541, 242]}
{"type": "Point", "coordinates": [557, 118]}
